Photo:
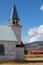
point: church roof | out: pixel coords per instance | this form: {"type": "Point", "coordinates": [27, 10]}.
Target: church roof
{"type": "Point", "coordinates": [6, 33]}
{"type": "Point", "coordinates": [14, 15]}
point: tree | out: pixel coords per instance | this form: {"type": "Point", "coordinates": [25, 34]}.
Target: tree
{"type": "Point", "coordinates": [25, 51]}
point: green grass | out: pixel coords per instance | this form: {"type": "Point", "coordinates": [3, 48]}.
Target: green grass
{"type": "Point", "coordinates": [33, 56]}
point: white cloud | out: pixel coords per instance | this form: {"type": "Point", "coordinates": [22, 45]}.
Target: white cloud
{"type": "Point", "coordinates": [41, 7]}
{"type": "Point", "coordinates": [34, 34]}
{"type": "Point", "coordinates": [35, 30]}
{"type": "Point", "coordinates": [30, 31]}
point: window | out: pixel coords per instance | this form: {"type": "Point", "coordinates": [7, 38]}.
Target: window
{"type": "Point", "coordinates": [17, 22]}
{"type": "Point", "coordinates": [13, 22]}
{"type": "Point", "coordinates": [1, 49]}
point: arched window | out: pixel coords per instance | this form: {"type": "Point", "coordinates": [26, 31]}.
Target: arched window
{"type": "Point", "coordinates": [13, 22]}
{"type": "Point", "coordinates": [1, 49]}
{"type": "Point", "coordinates": [16, 22]}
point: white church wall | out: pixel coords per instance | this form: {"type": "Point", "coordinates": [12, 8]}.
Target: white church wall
{"type": "Point", "coordinates": [10, 50]}
{"type": "Point", "coordinates": [17, 32]}
{"type": "Point", "coordinates": [20, 53]}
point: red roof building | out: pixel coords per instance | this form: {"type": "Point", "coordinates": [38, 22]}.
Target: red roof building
{"type": "Point", "coordinates": [35, 52]}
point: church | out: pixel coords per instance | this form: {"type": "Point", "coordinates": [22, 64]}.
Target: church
{"type": "Point", "coordinates": [11, 47]}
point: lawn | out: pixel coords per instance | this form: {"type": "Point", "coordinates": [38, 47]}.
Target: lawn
{"type": "Point", "coordinates": [34, 57]}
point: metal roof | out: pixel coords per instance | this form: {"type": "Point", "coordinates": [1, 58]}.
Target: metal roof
{"type": "Point", "coordinates": [6, 33]}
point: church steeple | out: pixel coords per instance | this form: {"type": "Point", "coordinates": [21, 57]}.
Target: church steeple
{"type": "Point", "coordinates": [14, 16]}
{"type": "Point", "coordinates": [14, 24]}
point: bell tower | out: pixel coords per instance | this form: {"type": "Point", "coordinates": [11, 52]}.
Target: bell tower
{"type": "Point", "coordinates": [14, 16]}
{"type": "Point", "coordinates": [14, 24]}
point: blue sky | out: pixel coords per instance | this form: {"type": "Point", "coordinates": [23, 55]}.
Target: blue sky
{"type": "Point", "coordinates": [29, 13]}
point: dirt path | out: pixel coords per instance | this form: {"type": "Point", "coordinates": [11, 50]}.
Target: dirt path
{"type": "Point", "coordinates": [41, 58]}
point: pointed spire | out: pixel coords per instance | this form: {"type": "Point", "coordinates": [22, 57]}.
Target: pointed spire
{"type": "Point", "coordinates": [14, 15]}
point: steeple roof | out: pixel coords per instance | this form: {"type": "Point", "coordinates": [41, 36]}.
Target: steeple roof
{"type": "Point", "coordinates": [14, 15]}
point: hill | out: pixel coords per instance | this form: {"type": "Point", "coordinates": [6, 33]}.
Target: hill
{"type": "Point", "coordinates": [35, 45]}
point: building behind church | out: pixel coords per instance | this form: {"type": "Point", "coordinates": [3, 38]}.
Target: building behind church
{"type": "Point", "coordinates": [10, 39]}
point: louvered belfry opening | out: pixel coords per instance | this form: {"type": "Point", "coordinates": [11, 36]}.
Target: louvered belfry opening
{"type": "Point", "coordinates": [1, 49]}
